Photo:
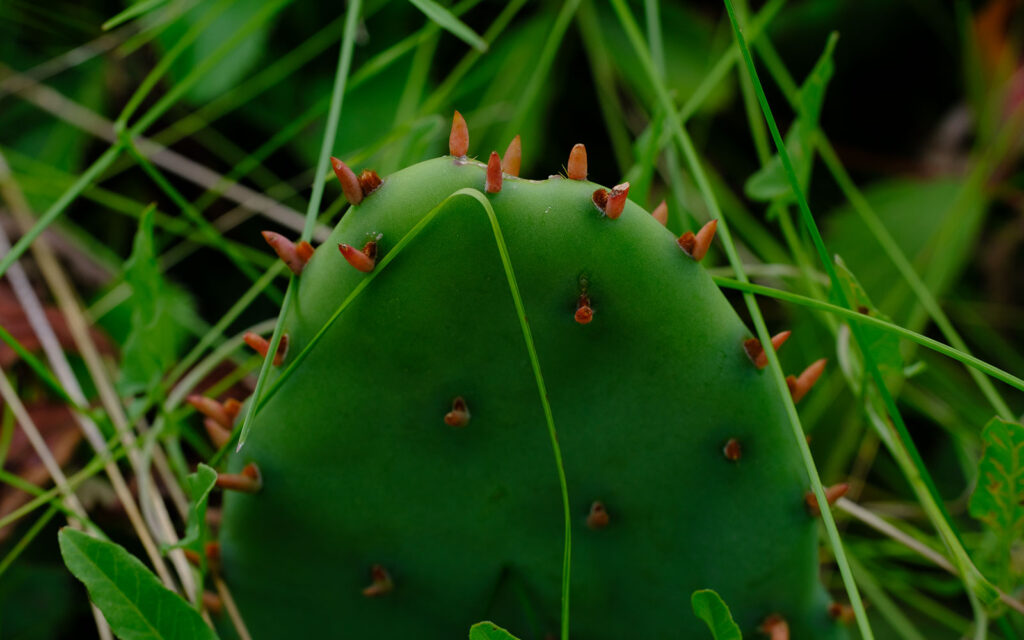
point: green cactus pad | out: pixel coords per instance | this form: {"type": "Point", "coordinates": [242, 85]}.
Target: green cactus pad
{"type": "Point", "coordinates": [359, 467]}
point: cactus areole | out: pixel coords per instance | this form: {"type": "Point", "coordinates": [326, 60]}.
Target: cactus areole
{"type": "Point", "coordinates": [408, 476]}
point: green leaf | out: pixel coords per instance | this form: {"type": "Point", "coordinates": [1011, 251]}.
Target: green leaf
{"type": "Point", "coordinates": [131, 598]}
{"type": "Point", "coordinates": [770, 182]}
{"type": "Point", "coordinates": [489, 631]}
{"type": "Point", "coordinates": [708, 606]}
{"type": "Point", "coordinates": [884, 346]}
{"type": "Point", "coordinates": [155, 335]}
{"type": "Point", "coordinates": [998, 498]}
{"type": "Point", "coordinates": [198, 486]}
{"type": "Point", "coordinates": [444, 19]}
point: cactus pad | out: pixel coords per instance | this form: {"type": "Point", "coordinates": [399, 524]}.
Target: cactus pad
{"type": "Point", "coordinates": [409, 480]}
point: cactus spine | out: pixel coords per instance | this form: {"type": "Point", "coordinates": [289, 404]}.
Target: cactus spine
{"type": "Point", "coordinates": [400, 480]}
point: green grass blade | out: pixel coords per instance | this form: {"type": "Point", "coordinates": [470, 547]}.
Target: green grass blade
{"type": "Point", "coordinates": [857, 317]}
{"type": "Point", "coordinates": [447, 21]}
{"type": "Point", "coordinates": [53, 212]}
{"type": "Point", "coordinates": [337, 97]}
{"type": "Point", "coordinates": [920, 478]}
{"type": "Point", "coordinates": [132, 12]}
{"type": "Point", "coordinates": [686, 145]}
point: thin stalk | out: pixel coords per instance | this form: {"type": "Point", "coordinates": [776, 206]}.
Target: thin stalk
{"type": "Point", "coordinates": [337, 97]}
{"type": "Point", "coordinates": [778, 378]}
{"type": "Point", "coordinates": [925, 488]}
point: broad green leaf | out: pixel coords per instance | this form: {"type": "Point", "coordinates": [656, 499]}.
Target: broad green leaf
{"type": "Point", "coordinates": [998, 498]}
{"type": "Point", "coordinates": [444, 19]}
{"type": "Point", "coordinates": [884, 346]}
{"type": "Point", "coordinates": [770, 182]}
{"type": "Point", "coordinates": [489, 631]}
{"type": "Point", "coordinates": [198, 486]}
{"type": "Point", "coordinates": [131, 598]}
{"type": "Point", "coordinates": [708, 606]}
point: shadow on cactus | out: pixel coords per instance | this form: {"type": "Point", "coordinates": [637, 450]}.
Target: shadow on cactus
{"type": "Point", "coordinates": [403, 476]}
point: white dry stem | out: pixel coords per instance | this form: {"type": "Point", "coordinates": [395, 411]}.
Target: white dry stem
{"type": "Point", "coordinates": [231, 608]}
{"type": "Point", "coordinates": [71, 501]}
{"type": "Point", "coordinates": [57, 104]}
{"type": "Point", "coordinates": [62, 291]}
{"type": "Point", "coordinates": [879, 524]}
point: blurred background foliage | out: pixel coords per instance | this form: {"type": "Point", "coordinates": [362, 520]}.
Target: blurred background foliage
{"type": "Point", "coordinates": [922, 104]}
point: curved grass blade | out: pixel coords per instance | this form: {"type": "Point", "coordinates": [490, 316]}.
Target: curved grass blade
{"type": "Point", "coordinates": [132, 12]}
{"type": "Point", "coordinates": [918, 475]}
{"type": "Point", "coordinates": [924, 341]}
{"type": "Point", "coordinates": [527, 337]}
{"type": "Point", "coordinates": [447, 21]}
{"type": "Point", "coordinates": [700, 177]}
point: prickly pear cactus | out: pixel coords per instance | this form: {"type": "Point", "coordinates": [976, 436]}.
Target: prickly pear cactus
{"type": "Point", "coordinates": [400, 480]}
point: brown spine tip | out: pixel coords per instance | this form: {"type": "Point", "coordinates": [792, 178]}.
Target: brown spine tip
{"type": "Point", "coordinates": [261, 345]}
{"type": "Point", "coordinates": [233, 408]}
{"type": "Point", "coordinates": [211, 409]}
{"type": "Point", "coordinates": [459, 415]}
{"type": "Point", "coordinates": [349, 182]}
{"type": "Point", "coordinates": [294, 256]}
{"type": "Point", "coordinates": [775, 627]}
{"type": "Point", "coordinates": [304, 250]}
{"type": "Point", "coordinates": [598, 517]}
{"type": "Point", "coordinates": [696, 245]}
{"type": "Point", "coordinates": [212, 550]}
{"type": "Point", "coordinates": [616, 200]}
{"type": "Point", "coordinates": [577, 168]}
{"type": "Point", "coordinates": [458, 140]}
{"type": "Point", "coordinates": [212, 603]}
{"type": "Point", "coordinates": [800, 385]}
{"type": "Point", "coordinates": [660, 213]}
{"type": "Point", "coordinates": [732, 450]}
{"type": "Point", "coordinates": [513, 157]}
{"type": "Point", "coordinates": [380, 580]}
{"type": "Point", "coordinates": [756, 352]}
{"type": "Point", "coordinates": [584, 313]}
{"type": "Point", "coordinates": [192, 557]}
{"type": "Point", "coordinates": [218, 435]}
{"type": "Point", "coordinates": [832, 494]}
{"type": "Point", "coordinates": [364, 260]}
{"type": "Point", "coordinates": [492, 183]}
{"type": "Point", "coordinates": [369, 181]}
{"type": "Point", "coordinates": [841, 613]}
{"type": "Point", "coordinates": [248, 481]}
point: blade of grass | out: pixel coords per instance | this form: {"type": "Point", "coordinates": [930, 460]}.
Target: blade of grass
{"type": "Point", "coordinates": [925, 487]}
{"type": "Point", "coordinates": [857, 317]}
{"type": "Point", "coordinates": [878, 229]}
{"type": "Point", "coordinates": [212, 236]}
{"type": "Point", "coordinates": [132, 12]}
{"type": "Point", "coordinates": [447, 21]}
{"type": "Point", "coordinates": [686, 146]}
{"type": "Point", "coordinates": [337, 97]}
{"type": "Point", "coordinates": [541, 67]}
{"type": "Point", "coordinates": [382, 265]}
{"type": "Point", "coordinates": [167, 60]}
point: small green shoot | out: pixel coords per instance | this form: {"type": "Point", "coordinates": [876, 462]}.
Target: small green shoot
{"type": "Point", "coordinates": [489, 631]}
{"type": "Point", "coordinates": [709, 607]}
